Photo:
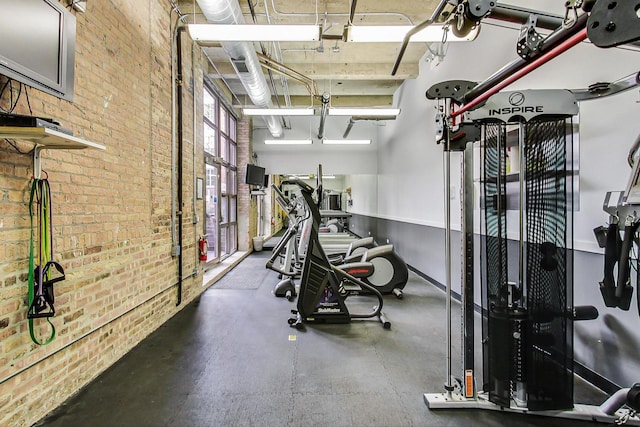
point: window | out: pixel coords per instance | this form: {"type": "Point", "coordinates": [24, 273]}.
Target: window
{"type": "Point", "coordinates": [210, 139]}
{"type": "Point", "coordinates": [220, 157]}
{"type": "Point", "coordinates": [210, 107]}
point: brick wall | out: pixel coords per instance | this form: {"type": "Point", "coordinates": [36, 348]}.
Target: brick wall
{"type": "Point", "coordinates": [112, 209]}
{"type": "Point", "coordinates": [247, 207]}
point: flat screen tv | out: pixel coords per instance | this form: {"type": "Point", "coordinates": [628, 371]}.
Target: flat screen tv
{"type": "Point", "coordinates": [37, 45]}
{"type": "Point", "coordinates": [255, 175]}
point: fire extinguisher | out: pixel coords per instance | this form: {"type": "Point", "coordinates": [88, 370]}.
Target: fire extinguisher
{"type": "Point", "coordinates": [203, 245]}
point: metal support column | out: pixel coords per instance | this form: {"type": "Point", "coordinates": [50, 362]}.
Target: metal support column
{"type": "Point", "coordinates": [467, 272]}
{"type": "Point", "coordinates": [448, 386]}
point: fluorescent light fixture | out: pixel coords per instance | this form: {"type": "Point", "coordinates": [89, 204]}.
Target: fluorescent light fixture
{"type": "Point", "coordinates": [328, 177]}
{"type": "Point", "coordinates": [396, 33]}
{"type": "Point", "coordinates": [254, 32]}
{"type": "Point", "coordinates": [372, 112]}
{"type": "Point", "coordinates": [347, 141]}
{"type": "Point", "coordinates": [278, 111]}
{"type": "Point", "coordinates": [288, 141]}
{"type": "Point", "coordinates": [298, 176]}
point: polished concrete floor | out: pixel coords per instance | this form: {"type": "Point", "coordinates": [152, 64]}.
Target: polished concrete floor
{"type": "Point", "coordinates": [231, 359]}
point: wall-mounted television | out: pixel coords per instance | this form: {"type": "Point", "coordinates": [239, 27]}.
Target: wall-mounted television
{"type": "Point", "coordinates": [37, 45]}
{"type": "Point", "coordinates": [255, 175]}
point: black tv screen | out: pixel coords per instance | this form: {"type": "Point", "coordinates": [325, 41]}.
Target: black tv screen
{"type": "Point", "coordinates": [255, 175]}
{"type": "Point", "coordinates": [37, 45]}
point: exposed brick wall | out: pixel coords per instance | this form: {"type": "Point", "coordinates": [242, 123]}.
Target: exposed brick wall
{"type": "Point", "coordinates": [247, 207]}
{"type": "Point", "coordinates": [111, 209]}
{"type": "Point", "coordinates": [277, 214]}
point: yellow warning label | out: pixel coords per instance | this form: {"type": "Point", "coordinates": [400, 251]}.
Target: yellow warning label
{"type": "Point", "coordinates": [292, 337]}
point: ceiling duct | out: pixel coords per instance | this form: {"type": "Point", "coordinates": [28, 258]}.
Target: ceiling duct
{"type": "Point", "coordinates": [243, 57]}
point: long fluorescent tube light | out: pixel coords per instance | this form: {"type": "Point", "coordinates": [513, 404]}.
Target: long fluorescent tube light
{"type": "Point", "coordinates": [278, 111]}
{"type": "Point", "coordinates": [396, 33]}
{"type": "Point", "coordinates": [254, 32]}
{"type": "Point", "coordinates": [287, 141]}
{"type": "Point", "coordinates": [346, 141]}
{"type": "Point", "coordinates": [364, 112]}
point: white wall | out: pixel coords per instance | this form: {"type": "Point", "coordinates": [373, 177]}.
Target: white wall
{"type": "Point", "coordinates": [364, 194]}
{"type": "Point", "coordinates": [410, 163]}
{"type": "Point", "coordinates": [410, 187]}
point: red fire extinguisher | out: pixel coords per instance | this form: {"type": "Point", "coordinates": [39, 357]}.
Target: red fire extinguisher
{"type": "Point", "coordinates": [203, 245]}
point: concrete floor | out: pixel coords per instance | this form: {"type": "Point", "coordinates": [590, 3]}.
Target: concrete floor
{"type": "Point", "coordinates": [231, 359]}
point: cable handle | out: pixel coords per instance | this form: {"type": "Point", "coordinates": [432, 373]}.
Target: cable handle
{"type": "Point", "coordinates": [624, 266]}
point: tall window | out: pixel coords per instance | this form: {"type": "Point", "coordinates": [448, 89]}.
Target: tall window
{"type": "Point", "coordinates": [221, 169]}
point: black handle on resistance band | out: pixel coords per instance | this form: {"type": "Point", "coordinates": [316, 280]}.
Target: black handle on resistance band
{"type": "Point", "coordinates": [42, 304]}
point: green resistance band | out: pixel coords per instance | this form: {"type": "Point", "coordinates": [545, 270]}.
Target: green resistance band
{"type": "Point", "coordinates": [41, 195]}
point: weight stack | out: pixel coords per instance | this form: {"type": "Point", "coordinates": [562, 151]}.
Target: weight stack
{"type": "Point", "coordinates": [527, 334]}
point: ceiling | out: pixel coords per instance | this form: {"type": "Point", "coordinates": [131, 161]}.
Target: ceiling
{"type": "Point", "coordinates": [353, 74]}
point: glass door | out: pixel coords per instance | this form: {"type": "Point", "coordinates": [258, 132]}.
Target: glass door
{"type": "Point", "coordinates": [212, 209]}
{"type": "Point", "coordinates": [227, 214]}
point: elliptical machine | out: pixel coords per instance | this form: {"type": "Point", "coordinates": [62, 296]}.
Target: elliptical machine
{"type": "Point", "coordinates": [324, 286]}
{"type": "Point", "coordinates": [389, 274]}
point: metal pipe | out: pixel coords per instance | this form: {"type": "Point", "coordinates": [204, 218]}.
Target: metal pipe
{"type": "Point", "coordinates": [447, 252]}
{"type": "Point", "coordinates": [354, 119]}
{"type": "Point", "coordinates": [514, 72]}
{"type": "Point", "coordinates": [519, 15]}
{"type": "Point", "coordinates": [468, 261]}
{"type": "Point", "coordinates": [421, 26]}
{"type": "Point", "coordinates": [179, 214]}
{"type": "Point", "coordinates": [323, 114]}
{"type": "Point", "coordinates": [173, 142]}
{"type": "Point", "coordinates": [349, 126]}
{"type": "Point", "coordinates": [278, 67]}
{"type": "Point", "coordinates": [352, 12]}
{"type": "Point", "coordinates": [195, 156]}
{"type": "Point", "coordinates": [315, 15]}
{"type": "Point", "coordinates": [302, 82]}
{"type": "Point", "coordinates": [521, 207]}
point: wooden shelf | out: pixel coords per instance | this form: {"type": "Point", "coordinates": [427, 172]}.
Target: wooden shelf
{"type": "Point", "coordinates": [48, 138]}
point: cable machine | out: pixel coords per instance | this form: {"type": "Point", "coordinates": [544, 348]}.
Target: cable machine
{"type": "Point", "coordinates": [527, 288]}
{"type": "Point", "coordinates": [527, 300]}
